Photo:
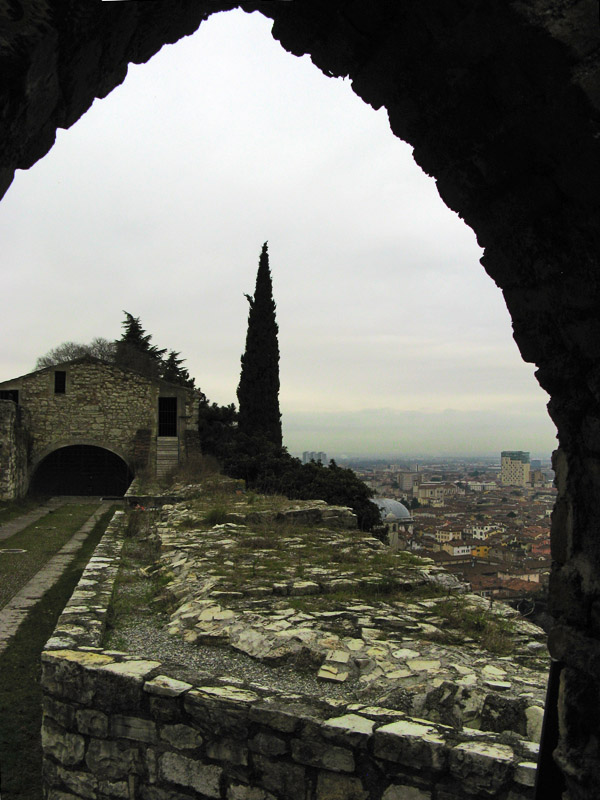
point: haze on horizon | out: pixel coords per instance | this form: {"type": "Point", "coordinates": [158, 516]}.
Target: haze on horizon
{"type": "Point", "coordinates": [393, 339]}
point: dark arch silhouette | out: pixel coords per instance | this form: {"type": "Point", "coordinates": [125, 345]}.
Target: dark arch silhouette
{"type": "Point", "coordinates": [501, 103]}
{"type": "Point", "coordinates": [81, 469]}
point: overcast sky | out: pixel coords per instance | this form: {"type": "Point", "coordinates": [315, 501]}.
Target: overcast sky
{"type": "Point", "coordinates": [393, 339]}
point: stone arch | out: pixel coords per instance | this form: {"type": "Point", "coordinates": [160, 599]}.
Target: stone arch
{"type": "Point", "coordinates": [501, 102]}
{"type": "Point", "coordinates": [42, 454]}
{"type": "Point", "coordinates": [80, 468]}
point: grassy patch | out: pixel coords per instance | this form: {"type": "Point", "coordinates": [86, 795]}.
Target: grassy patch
{"type": "Point", "coordinates": [195, 469]}
{"type": "Point", "coordinates": [264, 552]}
{"type": "Point", "coordinates": [216, 516]}
{"type": "Point", "coordinates": [41, 540]}
{"type": "Point", "coordinates": [20, 692]}
{"type": "Point", "coordinates": [387, 591]}
{"type": "Point", "coordinates": [138, 587]}
{"type": "Point", "coordinates": [490, 631]}
{"type": "Point", "coordinates": [9, 509]}
{"type": "Point", "coordinates": [237, 502]}
{"type": "Point", "coordinates": [278, 551]}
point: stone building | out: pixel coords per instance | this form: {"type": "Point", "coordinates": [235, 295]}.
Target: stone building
{"type": "Point", "coordinates": [87, 427]}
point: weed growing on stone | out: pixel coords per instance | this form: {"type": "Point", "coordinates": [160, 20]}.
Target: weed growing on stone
{"type": "Point", "coordinates": [235, 500]}
{"type": "Point", "coordinates": [492, 632]}
{"type": "Point", "coordinates": [389, 592]}
{"type": "Point", "coordinates": [216, 516]}
{"type": "Point", "coordinates": [138, 587]}
{"type": "Point", "coordinates": [195, 469]}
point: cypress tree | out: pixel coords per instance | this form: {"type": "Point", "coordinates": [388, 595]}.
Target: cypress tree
{"type": "Point", "coordinates": [258, 390]}
{"type": "Point", "coordinates": [134, 351]}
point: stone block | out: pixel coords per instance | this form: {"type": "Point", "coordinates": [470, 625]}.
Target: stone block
{"type": "Point", "coordinates": [354, 729]}
{"type": "Point", "coordinates": [331, 786]}
{"type": "Point", "coordinates": [83, 784]}
{"type": "Point", "coordinates": [182, 737]}
{"type": "Point", "coordinates": [139, 730]}
{"type": "Point", "coordinates": [525, 773]}
{"type": "Point", "coordinates": [304, 587]}
{"type": "Point", "coordinates": [503, 713]}
{"type": "Point", "coordinates": [66, 748]}
{"type": "Point", "coordinates": [285, 780]}
{"type": "Point", "coordinates": [151, 760]}
{"type": "Point", "coordinates": [137, 669]}
{"type": "Point", "coordinates": [119, 686]}
{"type": "Point", "coordinates": [448, 794]}
{"type": "Point", "coordinates": [203, 778]}
{"type": "Point", "coordinates": [481, 767]}
{"type": "Point", "coordinates": [92, 723]}
{"type": "Point", "coordinates": [165, 709]}
{"type": "Point", "coordinates": [63, 713]}
{"type": "Point", "coordinates": [50, 773]}
{"type": "Point", "coordinates": [316, 753]}
{"type": "Point", "coordinates": [229, 750]}
{"type": "Point", "coordinates": [535, 718]}
{"type": "Point", "coordinates": [332, 673]}
{"type": "Point", "coordinates": [402, 792]}
{"type": "Point", "coordinates": [113, 760]}
{"type": "Point", "coordinates": [118, 789]}
{"type": "Point", "coordinates": [268, 745]}
{"type": "Point", "coordinates": [64, 674]}
{"type": "Point", "coordinates": [164, 686]}
{"type": "Point", "coordinates": [240, 791]}
{"type": "Point", "coordinates": [156, 793]}
{"type": "Point", "coordinates": [220, 710]}
{"type": "Point", "coordinates": [412, 743]}
{"type": "Point", "coordinates": [275, 716]}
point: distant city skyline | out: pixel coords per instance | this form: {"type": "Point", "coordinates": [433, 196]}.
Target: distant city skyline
{"type": "Point", "coordinates": [392, 337]}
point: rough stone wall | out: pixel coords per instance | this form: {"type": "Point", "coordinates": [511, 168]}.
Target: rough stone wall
{"type": "Point", "coordinates": [501, 103]}
{"type": "Point", "coordinates": [101, 405]}
{"type": "Point", "coordinates": [189, 439]}
{"type": "Point", "coordinates": [116, 726]}
{"type": "Point", "coordinates": [14, 450]}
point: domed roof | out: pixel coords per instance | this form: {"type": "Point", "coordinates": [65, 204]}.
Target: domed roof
{"type": "Point", "coordinates": [391, 508]}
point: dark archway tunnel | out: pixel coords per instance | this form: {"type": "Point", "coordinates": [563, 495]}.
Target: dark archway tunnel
{"type": "Point", "coordinates": [81, 470]}
{"type": "Point", "coordinates": [501, 102]}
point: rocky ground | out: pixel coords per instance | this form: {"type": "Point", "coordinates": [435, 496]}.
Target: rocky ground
{"type": "Point", "coordinates": [290, 595]}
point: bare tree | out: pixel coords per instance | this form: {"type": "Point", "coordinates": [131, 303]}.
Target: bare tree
{"type": "Point", "coordinates": [67, 351]}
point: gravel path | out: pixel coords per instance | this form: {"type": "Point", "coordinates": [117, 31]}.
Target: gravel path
{"type": "Point", "coordinates": [196, 663]}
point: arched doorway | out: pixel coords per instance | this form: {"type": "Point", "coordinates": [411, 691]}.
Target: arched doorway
{"type": "Point", "coordinates": [81, 470]}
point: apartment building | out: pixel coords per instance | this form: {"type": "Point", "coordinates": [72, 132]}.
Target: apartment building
{"type": "Point", "coordinates": [514, 468]}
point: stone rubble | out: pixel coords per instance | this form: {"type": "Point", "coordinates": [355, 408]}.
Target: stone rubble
{"type": "Point", "coordinates": [119, 726]}
{"type": "Point", "coordinates": [386, 652]}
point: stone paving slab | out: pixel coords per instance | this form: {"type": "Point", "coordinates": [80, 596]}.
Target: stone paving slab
{"type": "Point", "coordinates": [16, 610]}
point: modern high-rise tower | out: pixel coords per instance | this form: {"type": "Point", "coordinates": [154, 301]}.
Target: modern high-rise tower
{"type": "Point", "coordinates": [310, 455]}
{"type": "Point", "coordinates": [514, 468]}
